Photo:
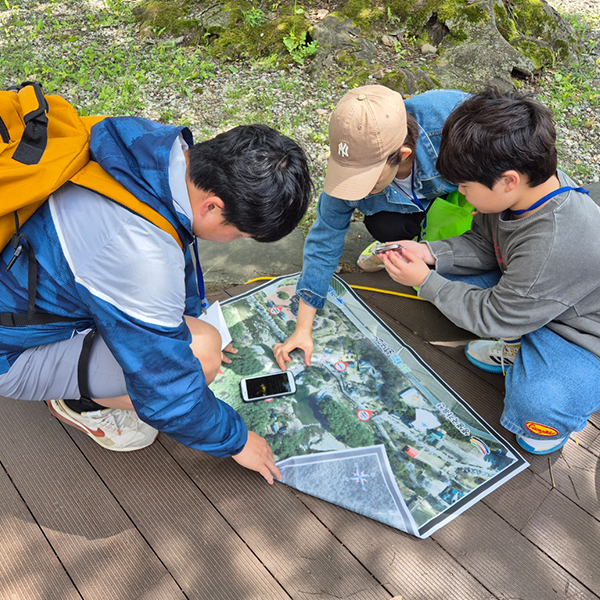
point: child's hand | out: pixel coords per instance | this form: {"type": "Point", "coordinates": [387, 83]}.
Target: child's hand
{"type": "Point", "coordinates": [419, 249]}
{"type": "Point", "coordinates": [228, 348]}
{"type": "Point", "coordinates": [299, 339]}
{"type": "Point", "coordinates": [407, 267]}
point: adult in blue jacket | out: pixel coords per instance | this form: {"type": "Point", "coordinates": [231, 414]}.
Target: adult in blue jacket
{"type": "Point", "coordinates": [383, 152]}
{"type": "Point", "coordinates": [112, 272]}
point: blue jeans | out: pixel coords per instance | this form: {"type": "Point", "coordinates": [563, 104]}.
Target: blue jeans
{"type": "Point", "coordinates": [553, 382]}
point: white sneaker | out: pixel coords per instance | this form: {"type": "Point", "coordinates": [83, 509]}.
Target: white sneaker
{"type": "Point", "coordinates": [368, 261]}
{"type": "Point", "coordinates": [112, 428]}
{"type": "Point", "coordinates": [537, 446]}
{"type": "Point", "coordinates": [493, 356]}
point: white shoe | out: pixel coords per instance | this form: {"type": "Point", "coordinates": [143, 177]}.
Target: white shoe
{"type": "Point", "coordinates": [537, 446]}
{"type": "Point", "coordinates": [493, 356]}
{"type": "Point", "coordinates": [369, 261]}
{"type": "Point", "coordinates": [112, 428]}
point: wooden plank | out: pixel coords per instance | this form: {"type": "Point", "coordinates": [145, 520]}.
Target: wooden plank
{"type": "Point", "coordinates": [570, 536]}
{"type": "Point", "coordinates": [589, 438]}
{"type": "Point", "coordinates": [28, 565]}
{"type": "Point", "coordinates": [199, 548]}
{"type": "Point", "coordinates": [574, 472]}
{"type": "Point", "coordinates": [408, 566]}
{"type": "Point", "coordinates": [100, 548]}
{"type": "Point", "coordinates": [431, 324]}
{"type": "Point", "coordinates": [508, 564]}
{"type": "Point", "coordinates": [517, 500]}
{"type": "Point", "coordinates": [305, 558]}
{"type": "Point", "coordinates": [508, 509]}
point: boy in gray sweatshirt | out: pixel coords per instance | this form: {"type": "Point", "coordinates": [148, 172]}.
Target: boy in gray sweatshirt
{"type": "Point", "coordinates": [527, 274]}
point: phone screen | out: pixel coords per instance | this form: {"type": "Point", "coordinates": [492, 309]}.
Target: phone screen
{"type": "Point", "coordinates": [266, 386]}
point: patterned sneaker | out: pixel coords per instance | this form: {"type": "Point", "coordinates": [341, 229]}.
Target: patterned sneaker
{"type": "Point", "coordinates": [537, 446]}
{"type": "Point", "coordinates": [493, 356]}
{"type": "Point", "coordinates": [113, 429]}
{"type": "Point", "coordinates": [368, 261]}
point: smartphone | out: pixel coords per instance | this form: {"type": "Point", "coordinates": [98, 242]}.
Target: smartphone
{"type": "Point", "coordinates": [387, 247]}
{"type": "Point", "coordinates": [281, 383]}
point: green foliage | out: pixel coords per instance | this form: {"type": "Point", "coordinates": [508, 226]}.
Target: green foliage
{"type": "Point", "coordinates": [363, 13]}
{"type": "Point", "coordinates": [344, 425]}
{"type": "Point", "coordinates": [296, 39]}
{"type": "Point", "coordinates": [254, 17]}
{"type": "Point", "coordinates": [245, 363]}
{"type": "Point", "coordinates": [291, 444]}
{"type": "Point", "coordinates": [298, 48]}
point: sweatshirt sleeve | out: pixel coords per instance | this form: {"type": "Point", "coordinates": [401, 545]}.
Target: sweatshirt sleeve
{"type": "Point", "coordinates": [528, 295]}
{"type": "Point", "coordinates": [469, 253]}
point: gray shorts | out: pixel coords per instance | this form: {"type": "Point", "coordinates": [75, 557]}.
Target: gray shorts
{"type": "Point", "coordinates": [50, 371]}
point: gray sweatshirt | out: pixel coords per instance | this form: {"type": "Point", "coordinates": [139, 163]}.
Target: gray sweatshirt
{"type": "Point", "coordinates": [550, 264]}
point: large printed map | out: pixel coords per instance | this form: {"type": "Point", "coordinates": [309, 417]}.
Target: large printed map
{"type": "Point", "coordinates": [371, 427]}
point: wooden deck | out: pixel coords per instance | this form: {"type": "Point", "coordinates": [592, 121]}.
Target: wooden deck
{"type": "Point", "coordinates": [168, 522]}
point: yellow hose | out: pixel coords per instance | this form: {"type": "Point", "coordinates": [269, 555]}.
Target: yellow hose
{"type": "Point", "coordinates": [356, 287]}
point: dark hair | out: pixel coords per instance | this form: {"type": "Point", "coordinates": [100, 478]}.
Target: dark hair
{"type": "Point", "coordinates": [261, 176]}
{"type": "Point", "coordinates": [491, 133]}
{"type": "Point", "coordinates": [410, 141]}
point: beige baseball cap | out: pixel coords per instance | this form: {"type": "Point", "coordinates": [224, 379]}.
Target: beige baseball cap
{"type": "Point", "coordinates": [367, 125]}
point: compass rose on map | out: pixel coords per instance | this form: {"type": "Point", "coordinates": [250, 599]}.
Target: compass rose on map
{"type": "Point", "coordinates": [340, 366]}
{"type": "Point", "coordinates": [359, 476]}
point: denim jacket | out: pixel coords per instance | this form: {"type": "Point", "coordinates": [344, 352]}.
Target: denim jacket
{"type": "Point", "coordinates": [325, 241]}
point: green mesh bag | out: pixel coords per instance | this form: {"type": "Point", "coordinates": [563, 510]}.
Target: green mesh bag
{"type": "Point", "coordinates": [448, 217]}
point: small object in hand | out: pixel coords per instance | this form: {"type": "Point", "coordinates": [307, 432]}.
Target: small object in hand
{"type": "Point", "coordinates": [388, 247]}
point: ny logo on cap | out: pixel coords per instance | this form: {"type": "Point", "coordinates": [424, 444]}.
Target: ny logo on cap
{"type": "Point", "coordinates": [343, 149]}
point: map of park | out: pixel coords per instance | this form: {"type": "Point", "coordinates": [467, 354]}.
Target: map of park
{"type": "Point", "coordinates": [371, 427]}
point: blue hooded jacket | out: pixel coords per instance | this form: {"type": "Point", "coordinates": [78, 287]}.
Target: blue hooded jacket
{"type": "Point", "coordinates": [118, 272]}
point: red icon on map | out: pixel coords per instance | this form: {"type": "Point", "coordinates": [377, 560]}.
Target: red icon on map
{"type": "Point", "coordinates": [340, 366]}
{"type": "Point", "coordinates": [364, 414]}
{"type": "Point", "coordinates": [275, 310]}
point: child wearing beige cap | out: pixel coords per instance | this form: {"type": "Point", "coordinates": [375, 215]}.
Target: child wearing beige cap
{"type": "Point", "coordinates": [383, 152]}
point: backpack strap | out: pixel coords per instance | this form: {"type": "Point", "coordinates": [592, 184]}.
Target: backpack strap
{"type": "Point", "coordinates": [34, 138]}
{"type": "Point", "coordinates": [95, 178]}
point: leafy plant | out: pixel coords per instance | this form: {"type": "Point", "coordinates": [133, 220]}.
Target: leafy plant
{"type": "Point", "coordinates": [254, 17]}
{"type": "Point", "coordinates": [298, 48]}
{"type": "Point", "coordinates": [295, 42]}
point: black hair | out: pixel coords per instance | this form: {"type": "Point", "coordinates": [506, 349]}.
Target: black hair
{"type": "Point", "coordinates": [491, 133]}
{"type": "Point", "coordinates": [410, 141]}
{"type": "Point", "coordinates": [261, 176]}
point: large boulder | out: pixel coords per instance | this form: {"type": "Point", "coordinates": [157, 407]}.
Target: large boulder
{"type": "Point", "coordinates": [463, 43]}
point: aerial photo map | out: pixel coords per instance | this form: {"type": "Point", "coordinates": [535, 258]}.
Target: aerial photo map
{"type": "Point", "coordinates": [370, 427]}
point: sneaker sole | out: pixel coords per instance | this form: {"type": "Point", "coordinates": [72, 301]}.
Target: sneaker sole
{"type": "Point", "coordinates": [532, 450]}
{"type": "Point", "coordinates": [66, 418]}
{"type": "Point", "coordinates": [485, 367]}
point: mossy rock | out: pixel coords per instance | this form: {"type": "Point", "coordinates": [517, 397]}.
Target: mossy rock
{"type": "Point", "coordinates": [409, 81]}
{"type": "Point", "coordinates": [536, 30]}
{"type": "Point", "coordinates": [241, 40]}
{"type": "Point", "coordinates": [540, 55]}
{"type": "Point", "coordinates": [159, 17]}
{"type": "Point", "coordinates": [233, 29]}
{"type": "Point", "coordinates": [352, 70]}
{"type": "Point", "coordinates": [363, 13]}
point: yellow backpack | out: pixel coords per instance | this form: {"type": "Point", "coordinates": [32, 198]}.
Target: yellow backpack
{"type": "Point", "coordinates": [43, 144]}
